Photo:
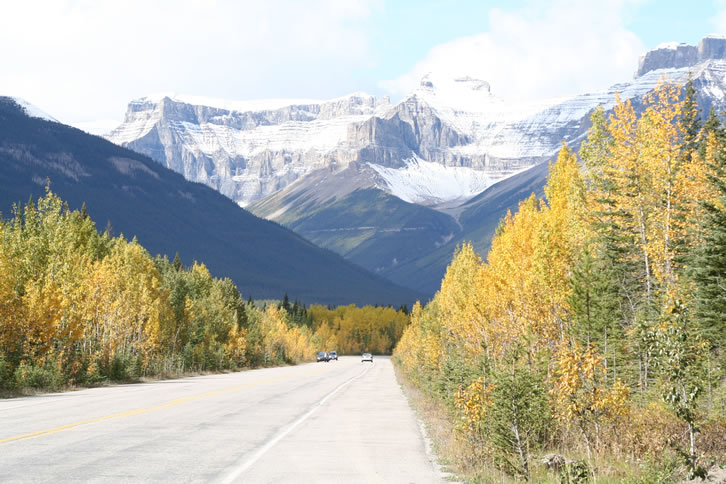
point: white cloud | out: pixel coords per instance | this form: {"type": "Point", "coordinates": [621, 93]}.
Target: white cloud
{"type": "Point", "coordinates": [547, 49]}
{"type": "Point", "coordinates": [83, 60]}
{"type": "Point", "coordinates": [719, 19]}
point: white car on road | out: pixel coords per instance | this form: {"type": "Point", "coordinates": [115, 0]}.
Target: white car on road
{"type": "Point", "coordinates": [367, 357]}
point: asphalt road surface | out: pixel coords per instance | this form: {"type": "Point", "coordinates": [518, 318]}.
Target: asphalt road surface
{"type": "Point", "coordinates": [342, 422]}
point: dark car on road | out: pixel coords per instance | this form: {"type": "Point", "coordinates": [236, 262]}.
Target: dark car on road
{"type": "Point", "coordinates": [323, 356]}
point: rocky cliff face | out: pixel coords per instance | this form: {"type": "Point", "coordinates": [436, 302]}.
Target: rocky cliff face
{"type": "Point", "coordinates": [245, 151]}
{"type": "Point", "coordinates": [677, 56]}
{"type": "Point", "coordinates": [446, 141]}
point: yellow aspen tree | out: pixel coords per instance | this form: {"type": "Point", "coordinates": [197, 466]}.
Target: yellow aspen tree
{"type": "Point", "coordinates": [630, 183]}
{"type": "Point", "coordinates": [43, 313]}
{"type": "Point", "coordinates": [236, 346]}
{"type": "Point", "coordinates": [661, 155]}
{"type": "Point", "coordinates": [457, 290]}
{"type": "Point", "coordinates": [408, 347]}
{"type": "Point", "coordinates": [125, 301]}
{"type": "Point", "coordinates": [692, 183]}
{"type": "Point", "coordinates": [582, 395]}
{"type": "Point", "coordinates": [562, 234]}
{"type": "Point", "coordinates": [323, 334]}
{"type": "Point", "coordinates": [12, 310]}
{"type": "Point", "coordinates": [510, 288]}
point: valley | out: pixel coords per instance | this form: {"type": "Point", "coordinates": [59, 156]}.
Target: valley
{"type": "Point", "coordinates": [440, 159]}
{"type": "Point", "coordinates": [129, 194]}
{"type": "Point", "coordinates": [363, 241]}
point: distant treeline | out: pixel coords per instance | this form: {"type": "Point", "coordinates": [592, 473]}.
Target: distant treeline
{"type": "Point", "coordinates": [351, 329]}
{"type": "Point", "coordinates": [80, 307]}
{"type": "Point", "coordinates": [596, 326]}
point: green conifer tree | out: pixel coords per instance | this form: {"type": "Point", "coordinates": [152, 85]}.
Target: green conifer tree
{"type": "Point", "coordinates": [690, 121]}
{"type": "Point", "coordinates": [708, 265]}
{"type": "Point", "coordinates": [286, 304]}
{"type": "Point", "coordinates": [177, 263]}
{"type": "Point", "coordinates": [595, 304]}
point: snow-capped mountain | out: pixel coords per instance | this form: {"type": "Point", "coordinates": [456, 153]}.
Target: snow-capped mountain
{"type": "Point", "coordinates": [445, 142]}
{"type": "Point", "coordinates": [360, 176]}
{"type": "Point", "coordinates": [32, 110]}
{"type": "Point", "coordinates": [244, 149]}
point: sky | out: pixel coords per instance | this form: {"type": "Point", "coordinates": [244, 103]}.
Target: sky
{"type": "Point", "coordinates": [82, 61]}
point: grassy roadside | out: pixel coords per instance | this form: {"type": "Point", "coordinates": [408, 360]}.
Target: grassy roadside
{"type": "Point", "coordinates": [452, 452]}
{"type": "Point", "coordinates": [439, 428]}
{"type": "Point", "coordinates": [457, 457]}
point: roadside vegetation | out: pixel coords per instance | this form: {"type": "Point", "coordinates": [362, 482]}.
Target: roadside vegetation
{"type": "Point", "coordinates": [78, 307]}
{"type": "Point", "coordinates": [590, 344]}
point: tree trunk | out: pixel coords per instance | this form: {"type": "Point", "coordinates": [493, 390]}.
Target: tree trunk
{"type": "Point", "coordinates": [587, 441]}
{"type": "Point", "coordinates": [520, 448]}
{"type": "Point", "coordinates": [646, 258]}
{"type": "Point", "coordinates": [692, 439]}
{"type": "Point", "coordinates": [605, 351]}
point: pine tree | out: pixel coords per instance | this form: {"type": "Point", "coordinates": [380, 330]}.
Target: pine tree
{"type": "Point", "coordinates": [708, 266]}
{"type": "Point", "coordinates": [286, 304]}
{"type": "Point", "coordinates": [177, 263]}
{"type": "Point", "coordinates": [595, 307]}
{"type": "Point", "coordinates": [517, 418]}
{"type": "Point", "coordinates": [690, 121]}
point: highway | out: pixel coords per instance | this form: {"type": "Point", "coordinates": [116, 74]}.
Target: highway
{"type": "Point", "coordinates": [342, 421]}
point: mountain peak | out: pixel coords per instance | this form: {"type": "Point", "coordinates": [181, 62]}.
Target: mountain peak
{"type": "Point", "coordinates": [426, 82]}
{"type": "Point", "coordinates": [460, 93]}
{"type": "Point", "coordinates": [674, 55]}
{"type": "Point", "coordinates": [474, 84]}
{"type": "Point", "coordinates": [430, 82]}
{"type": "Point", "coordinates": [255, 105]}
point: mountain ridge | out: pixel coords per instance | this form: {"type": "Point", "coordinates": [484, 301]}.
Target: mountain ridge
{"type": "Point", "coordinates": [136, 196]}
{"type": "Point", "coordinates": [250, 150]}
{"type": "Point", "coordinates": [442, 146]}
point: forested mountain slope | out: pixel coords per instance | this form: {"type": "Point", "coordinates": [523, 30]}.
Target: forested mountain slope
{"type": "Point", "coordinates": [129, 193]}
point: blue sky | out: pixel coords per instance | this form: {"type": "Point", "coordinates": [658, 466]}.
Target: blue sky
{"type": "Point", "coordinates": [663, 21]}
{"type": "Point", "coordinates": [437, 22]}
{"type": "Point", "coordinates": [653, 21]}
{"type": "Point", "coordinates": [83, 60]}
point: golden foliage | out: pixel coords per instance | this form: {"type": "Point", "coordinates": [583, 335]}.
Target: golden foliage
{"type": "Point", "coordinates": [580, 389]}
{"type": "Point", "coordinates": [472, 401]}
{"type": "Point", "coordinates": [638, 198]}
{"type": "Point", "coordinates": [85, 307]}
{"type": "Point", "coordinates": [353, 330]}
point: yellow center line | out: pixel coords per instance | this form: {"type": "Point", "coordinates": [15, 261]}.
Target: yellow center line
{"type": "Point", "coordinates": [138, 411]}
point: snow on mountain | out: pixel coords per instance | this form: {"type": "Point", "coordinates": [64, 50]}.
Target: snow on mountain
{"type": "Point", "coordinates": [425, 182]}
{"type": "Point", "coordinates": [32, 110]}
{"type": "Point", "coordinates": [670, 45]}
{"type": "Point", "coordinates": [522, 130]}
{"type": "Point", "coordinates": [447, 140]}
{"type": "Point", "coordinates": [245, 149]}
{"type": "Point", "coordinates": [252, 134]}
{"type": "Point", "coordinates": [228, 104]}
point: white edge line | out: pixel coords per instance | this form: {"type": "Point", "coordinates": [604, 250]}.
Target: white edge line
{"type": "Point", "coordinates": [239, 470]}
